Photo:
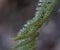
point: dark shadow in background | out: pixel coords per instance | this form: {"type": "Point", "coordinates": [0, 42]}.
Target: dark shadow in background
{"type": "Point", "coordinates": [12, 21]}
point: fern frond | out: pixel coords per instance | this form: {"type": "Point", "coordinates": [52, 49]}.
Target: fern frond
{"type": "Point", "coordinates": [28, 35]}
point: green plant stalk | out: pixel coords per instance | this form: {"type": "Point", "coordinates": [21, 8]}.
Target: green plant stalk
{"type": "Point", "coordinates": [30, 29]}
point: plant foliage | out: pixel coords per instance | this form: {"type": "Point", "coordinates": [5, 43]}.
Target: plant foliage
{"type": "Point", "coordinates": [28, 35]}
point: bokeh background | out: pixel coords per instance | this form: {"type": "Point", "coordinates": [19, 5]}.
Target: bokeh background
{"type": "Point", "coordinates": [12, 19]}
